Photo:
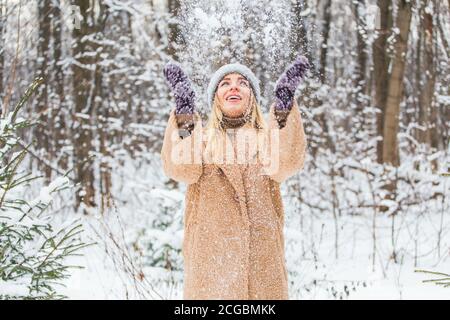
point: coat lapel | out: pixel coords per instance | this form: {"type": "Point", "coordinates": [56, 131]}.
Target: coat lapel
{"type": "Point", "coordinates": [234, 175]}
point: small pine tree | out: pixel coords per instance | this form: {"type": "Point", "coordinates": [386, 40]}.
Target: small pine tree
{"type": "Point", "coordinates": [443, 279]}
{"type": "Point", "coordinates": [33, 250]}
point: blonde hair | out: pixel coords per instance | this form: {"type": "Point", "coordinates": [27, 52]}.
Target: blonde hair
{"type": "Point", "coordinates": [216, 133]}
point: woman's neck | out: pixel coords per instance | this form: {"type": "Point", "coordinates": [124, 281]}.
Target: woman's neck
{"type": "Point", "coordinates": [233, 123]}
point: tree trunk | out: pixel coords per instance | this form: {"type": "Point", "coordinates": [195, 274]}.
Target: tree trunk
{"type": "Point", "coordinates": [174, 30]}
{"type": "Point", "coordinates": [59, 112]}
{"type": "Point", "coordinates": [83, 87]}
{"type": "Point", "coordinates": [428, 113]}
{"type": "Point", "coordinates": [2, 52]}
{"type": "Point", "coordinates": [381, 65]}
{"type": "Point", "coordinates": [395, 87]}
{"type": "Point", "coordinates": [360, 77]}
{"type": "Point", "coordinates": [442, 139]}
{"type": "Point", "coordinates": [105, 136]}
{"type": "Point", "coordinates": [428, 117]}
{"type": "Point", "coordinates": [300, 36]}
{"type": "Point", "coordinates": [43, 129]}
{"type": "Point", "coordinates": [413, 116]}
{"type": "Point", "coordinates": [326, 35]}
{"type": "Point", "coordinates": [315, 101]}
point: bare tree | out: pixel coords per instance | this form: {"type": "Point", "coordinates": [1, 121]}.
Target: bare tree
{"type": "Point", "coordinates": [326, 35]}
{"type": "Point", "coordinates": [84, 90]}
{"type": "Point", "coordinates": [381, 64]}
{"type": "Point", "coordinates": [299, 30]}
{"type": "Point", "coordinates": [59, 110]}
{"type": "Point", "coordinates": [395, 86]}
{"type": "Point", "coordinates": [2, 49]}
{"type": "Point", "coordinates": [360, 77]}
{"type": "Point", "coordinates": [322, 119]}
{"type": "Point", "coordinates": [441, 138]}
{"type": "Point", "coordinates": [427, 109]}
{"type": "Point", "coordinates": [174, 29]}
{"type": "Point", "coordinates": [42, 131]}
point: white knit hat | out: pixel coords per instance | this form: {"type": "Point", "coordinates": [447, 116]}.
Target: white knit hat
{"type": "Point", "coordinates": [231, 68]}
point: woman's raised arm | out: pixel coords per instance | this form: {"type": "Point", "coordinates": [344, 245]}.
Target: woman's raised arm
{"type": "Point", "coordinates": [181, 153]}
{"type": "Point", "coordinates": [285, 117]}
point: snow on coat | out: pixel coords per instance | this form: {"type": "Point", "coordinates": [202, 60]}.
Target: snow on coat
{"type": "Point", "coordinates": [233, 246]}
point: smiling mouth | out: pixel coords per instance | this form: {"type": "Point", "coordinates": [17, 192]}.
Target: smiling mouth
{"type": "Point", "coordinates": [234, 98]}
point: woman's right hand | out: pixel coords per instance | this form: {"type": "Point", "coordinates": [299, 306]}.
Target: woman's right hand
{"type": "Point", "coordinates": [181, 87]}
{"type": "Point", "coordinates": [184, 95]}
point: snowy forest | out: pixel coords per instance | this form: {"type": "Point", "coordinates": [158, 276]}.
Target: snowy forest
{"type": "Point", "coordinates": [86, 211]}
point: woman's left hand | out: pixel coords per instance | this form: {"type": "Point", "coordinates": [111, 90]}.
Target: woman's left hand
{"type": "Point", "coordinates": [288, 83]}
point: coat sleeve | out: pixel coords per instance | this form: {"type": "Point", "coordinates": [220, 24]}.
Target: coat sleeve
{"type": "Point", "coordinates": [291, 143]}
{"type": "Point", "coordinates": [182, 157]}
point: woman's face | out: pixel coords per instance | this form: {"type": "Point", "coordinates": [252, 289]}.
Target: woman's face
{"type": "Point", "coordinates": [233, 93]}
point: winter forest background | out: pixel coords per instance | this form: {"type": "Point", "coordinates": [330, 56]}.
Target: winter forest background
{"type": "Point", "coordinates": [81, 182]}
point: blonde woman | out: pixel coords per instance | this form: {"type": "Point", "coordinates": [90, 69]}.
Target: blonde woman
{"type": "Point", "coordinates": [233, 245]}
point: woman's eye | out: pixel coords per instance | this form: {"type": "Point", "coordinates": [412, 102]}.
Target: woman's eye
{"type": "Point", "coordinates": [223, 83]}
{"type": "Point", "coordinates": [244, 83]}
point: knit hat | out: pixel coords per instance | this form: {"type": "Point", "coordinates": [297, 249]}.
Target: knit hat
{"type": "Point", "coordinates": [232, 68]}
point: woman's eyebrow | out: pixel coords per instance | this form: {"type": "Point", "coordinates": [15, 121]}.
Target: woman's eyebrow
{"type": "Point", "coordinates": [228, 79]}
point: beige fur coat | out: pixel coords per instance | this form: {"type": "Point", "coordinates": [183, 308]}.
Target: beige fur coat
{"type": "Point", "coordinates": [233, 244]}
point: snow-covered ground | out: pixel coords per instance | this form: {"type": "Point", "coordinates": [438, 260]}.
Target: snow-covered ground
{"type": "Point", "coordinates": [131, 240]}
{"type": "Point", "coordinates": [352, 276]}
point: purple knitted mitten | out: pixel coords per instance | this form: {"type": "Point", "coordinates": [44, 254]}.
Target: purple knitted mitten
{"type": "Point", "coordinates": [288, 83]}
{"type": "Point", "coordinates": [181, 88]}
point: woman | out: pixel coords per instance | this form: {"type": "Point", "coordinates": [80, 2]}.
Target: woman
{"type": "Point", "coordinates": [233, 245]}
